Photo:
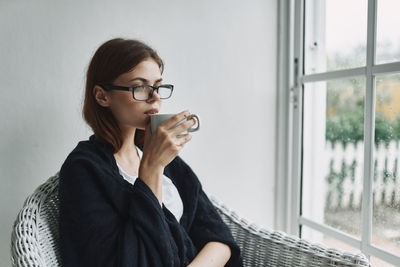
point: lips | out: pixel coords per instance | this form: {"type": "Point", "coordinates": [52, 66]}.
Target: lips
{"type": "Point", "coordinates": [152, 111]}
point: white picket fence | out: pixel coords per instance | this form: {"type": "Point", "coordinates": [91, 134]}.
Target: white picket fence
{"type": "Point", "coordinates": [344, 175]}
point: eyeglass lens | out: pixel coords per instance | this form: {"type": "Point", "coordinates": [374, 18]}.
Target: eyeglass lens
{"type": "Point", "coordinates": [143, 92]}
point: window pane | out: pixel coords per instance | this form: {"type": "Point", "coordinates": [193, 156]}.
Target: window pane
{"type": "Point", "coordinates": [379, 262]}
{"type": "Point", "coordinates": [388, 36]}
{"type": "Point", "coordinates": [333, 153]}
{"type": "Point", "coordinates": [386, 184]}
{"type": "Point", "coordinates": [335, 35]}
{"type": "Point", "coordinates": [328, 241]}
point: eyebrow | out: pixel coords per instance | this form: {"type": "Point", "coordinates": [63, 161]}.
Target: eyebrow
{"type": "Point", "coordinates": [144, 80]}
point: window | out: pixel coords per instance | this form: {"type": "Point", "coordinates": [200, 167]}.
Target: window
{"type": "Point", "coordinates": [342, 166]}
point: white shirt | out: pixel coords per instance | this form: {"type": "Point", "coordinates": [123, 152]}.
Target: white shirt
{"type": "Point", "coordinates": [170, 194]}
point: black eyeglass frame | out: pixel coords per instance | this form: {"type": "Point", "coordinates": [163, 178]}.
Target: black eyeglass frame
{"type": "Point", "coordinates": [109, 87]}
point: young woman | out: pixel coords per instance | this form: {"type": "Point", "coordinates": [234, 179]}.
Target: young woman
{"type": "Point", "coordinates": [126, 197]}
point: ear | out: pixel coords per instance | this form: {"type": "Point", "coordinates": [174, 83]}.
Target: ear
{"type": "Point", "coordinates": [101, 96]}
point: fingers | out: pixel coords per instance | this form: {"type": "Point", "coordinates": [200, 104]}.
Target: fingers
{"type": "Point", "coordinates": [183, 126]}
{"type": "Point", "coordinates": [168, 124]}
{"type": "Point", "coordinates": [173, 133]}
{"type": "Point", "coordinates": [183, 140]}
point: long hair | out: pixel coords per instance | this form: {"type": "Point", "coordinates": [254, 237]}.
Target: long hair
{"type": "Point", "coordinates": [113, 58]}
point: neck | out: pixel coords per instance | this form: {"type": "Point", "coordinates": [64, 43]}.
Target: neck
{"type": "Point", "coordinates": [128, 151]}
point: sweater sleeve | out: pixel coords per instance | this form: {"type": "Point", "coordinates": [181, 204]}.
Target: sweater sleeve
{"type": "Point", "coordinates": [93, 233]}
{"type": "Point", "coordinates": [208, 225]}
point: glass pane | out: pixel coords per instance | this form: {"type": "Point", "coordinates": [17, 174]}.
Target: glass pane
{"type": "Point", "coordinates": [333, 155]}
{"type": "Point", "coordinates": [317, 237]}
{"type": "Point", "coordinates": [379, 262]}
{"type": "Point", "coordinates": [386, 184]}
{"type": "Point", "coordinates": [387, 36]}
{"type": "Point", "coordinates": [335, 35]}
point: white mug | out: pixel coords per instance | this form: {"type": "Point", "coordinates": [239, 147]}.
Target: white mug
{"type": "Point", "coordinates": [157, 119]}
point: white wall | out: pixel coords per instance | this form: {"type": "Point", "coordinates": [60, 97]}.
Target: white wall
{"type": "Point", "coordinates": [221, 56]}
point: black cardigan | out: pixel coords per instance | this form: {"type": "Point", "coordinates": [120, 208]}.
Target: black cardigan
{"type": "Point", "coordinates": [107, 221]}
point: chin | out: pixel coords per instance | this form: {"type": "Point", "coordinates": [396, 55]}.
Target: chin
{"type": "Point", "coordinates": [142, 127]}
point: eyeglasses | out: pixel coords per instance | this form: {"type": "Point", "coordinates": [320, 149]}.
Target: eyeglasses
{"type": "Point", "coordinates": [143, 92]}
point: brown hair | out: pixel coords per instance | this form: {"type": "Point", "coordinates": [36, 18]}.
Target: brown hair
{"type": "Point", "coordinates": [113, 58]}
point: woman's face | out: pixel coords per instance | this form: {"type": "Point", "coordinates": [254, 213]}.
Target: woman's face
{"type": "Point", "coordinates": [128, 111]}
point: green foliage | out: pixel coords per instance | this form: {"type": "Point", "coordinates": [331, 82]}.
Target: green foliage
{"type": "Point", "coordinates": [383, 129]}
{"type": "Point", "coordinates": [396, 128]}
{"type": "Point", "coordinates": [345, 128]}
{"type": "Point", "coordinates": [349, 128]}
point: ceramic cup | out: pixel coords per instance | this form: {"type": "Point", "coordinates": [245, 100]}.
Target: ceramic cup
{"type": "Point", "coordinates": [157, 119]}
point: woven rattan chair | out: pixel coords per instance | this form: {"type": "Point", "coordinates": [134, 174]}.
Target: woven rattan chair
{"type": "Point", "coordinates": [35, 235]}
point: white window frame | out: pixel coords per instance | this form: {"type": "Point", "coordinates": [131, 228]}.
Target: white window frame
{"type": "Point", "coordinates": [291, 82]}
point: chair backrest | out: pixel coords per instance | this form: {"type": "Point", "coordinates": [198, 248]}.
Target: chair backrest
{"type": "Point", "coordinates": [34, 236]}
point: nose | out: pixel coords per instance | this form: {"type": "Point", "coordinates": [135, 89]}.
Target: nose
{"type": "Point", "coordinates": [155, 96]}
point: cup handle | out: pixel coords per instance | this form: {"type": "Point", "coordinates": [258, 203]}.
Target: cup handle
{"type": "Point", "coordinates": [198, 123]}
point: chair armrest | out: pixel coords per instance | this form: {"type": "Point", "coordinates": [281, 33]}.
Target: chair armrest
{"type": "Point", "coordinates": [262, 247]}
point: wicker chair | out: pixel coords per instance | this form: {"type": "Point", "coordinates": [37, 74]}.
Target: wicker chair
{"type": "Point", "coordinates": [35, 235]}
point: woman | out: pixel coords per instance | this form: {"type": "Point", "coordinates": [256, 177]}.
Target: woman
{"type": "Point", "coordinates": [126, 197]}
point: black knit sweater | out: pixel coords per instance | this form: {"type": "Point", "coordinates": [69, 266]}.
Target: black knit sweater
{"type": "Point", "coordinates": [107, 221]}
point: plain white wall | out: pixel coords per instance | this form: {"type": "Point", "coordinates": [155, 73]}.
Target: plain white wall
{"type": "Point", "coordinates": [220, 55]}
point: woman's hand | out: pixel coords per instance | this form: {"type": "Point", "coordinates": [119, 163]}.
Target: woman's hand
{"type": "Point", "coordinates": [213, 254]}
{"type": "Point", "coordinates": [161, 147]}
